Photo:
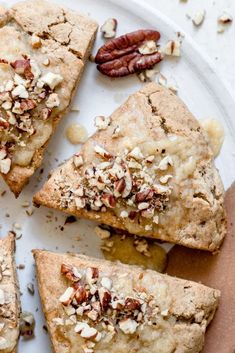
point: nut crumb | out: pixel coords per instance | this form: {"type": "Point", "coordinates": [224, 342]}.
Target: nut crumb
{"type": "Point", "coordinates": [225, 18]}
{"type": "Point", "coordinates": [109, 28]}
{"type": "Point", "coordinates": [30, 287]}
{"type": "Point", "coordinates": [172, 48]}
{"type": "Point", "coordinates": [198, 18]}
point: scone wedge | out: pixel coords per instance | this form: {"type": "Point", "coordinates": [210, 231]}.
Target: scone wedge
{"type": "Point", "coordinates": [43, 52]}
{"type": "Point", "coordinates": [92, 305]}
{"type": "Point", "coordinates": [9, 297]}
{"type": "Point", "coordinates": [149, 170]}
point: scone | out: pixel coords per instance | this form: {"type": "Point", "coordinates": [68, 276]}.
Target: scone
{"type": "Point", "coordinates": [43, 51]}
{"type": "Point", "coordinates": [98, 306]}
{"type": "Point", "coordinates": [9, 297]}
{"type": "Point", "coordinates": [148, 170]}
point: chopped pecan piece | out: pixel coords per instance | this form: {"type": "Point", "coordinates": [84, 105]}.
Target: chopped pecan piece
{"type": "Point", "coordinates": [23, 67]}
{"type": "Point", "coordinates": [27, 104]}
{"type": "Point", "coordinates": [132, 304]}
{"type": "Point", "coordinates": [70, 272]}
{"type": "Point", "coordinates": [108, 29]}
{"type": "Point", "coordinates": [105, 297]}
{"type": "Point", "coordinates": [108, 200]}
{"type": "Point", "coordinates": [81, 295]}
{"type": "Point", "coordinates": [45, 113]}
{"type": "Point", "coordinates": [132, 215]}
{"type": "Point", "coordinates": [4, 124]}
{"type": "Point", "coordinates": [3, 61]}
{"type": "Point", "coordinates": [120, 56]}
{"type": "Point", "coordinates": [94, 272]}
{"type": "Point", "coordinates": [119, 187]}
{"type": "Point", "coordinates": [144, 195]}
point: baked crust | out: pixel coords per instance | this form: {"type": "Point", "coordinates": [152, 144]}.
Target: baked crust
{"type": "Point", "coordinates": [66, 40]}
{"type": "Point", "coordinates": [159, 123]}
{"type": "Point", "coordinates": [185, 307]}
{"type": "Point", "coordinates": [11, 309]}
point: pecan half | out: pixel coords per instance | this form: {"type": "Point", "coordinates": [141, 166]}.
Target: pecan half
{"type": "Point", "coordinates": [120, 56]}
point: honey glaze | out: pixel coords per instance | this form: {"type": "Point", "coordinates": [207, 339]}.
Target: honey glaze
{"type": "Point", "coordinates": [76, 134]}
{"type": "Point", "coordinates": [134, 251]}
{"type": "Point", "coordinates": [215, 133]}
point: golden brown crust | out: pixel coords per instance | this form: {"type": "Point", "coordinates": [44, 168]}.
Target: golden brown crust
{"type": "Point", "coordinates": [70, 55]}
{"type": "Point", "coordinates": [193, 304]}
{"type": "Point", "coordinates": [195, 217]}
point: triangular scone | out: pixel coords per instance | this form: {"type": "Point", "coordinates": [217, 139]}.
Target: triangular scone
{"type": "Point", "coordinates": [150, 172]}
{"type": "Point", "coordinates": [98, 306]}
{"type": "Point", "coordinates": [43, 51]}
{"type": "Point", "coordinates": [9, 297]}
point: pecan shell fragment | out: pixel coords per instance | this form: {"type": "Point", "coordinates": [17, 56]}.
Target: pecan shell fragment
{"type": "Point", "coordinates": [120, 56]}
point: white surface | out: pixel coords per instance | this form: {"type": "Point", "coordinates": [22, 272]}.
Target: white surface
{"type": "Point", "coordinates": [199, 87]}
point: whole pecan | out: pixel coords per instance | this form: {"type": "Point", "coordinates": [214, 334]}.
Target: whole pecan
{"type": "Point", "coordinates": [120, 56]}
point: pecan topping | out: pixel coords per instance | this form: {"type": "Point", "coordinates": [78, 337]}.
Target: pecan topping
{"type": "Point", "coordinates": [121, 57]}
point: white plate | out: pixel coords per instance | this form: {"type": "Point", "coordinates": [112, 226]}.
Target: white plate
{"type": "Point", "coordinates": [199, 86]}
